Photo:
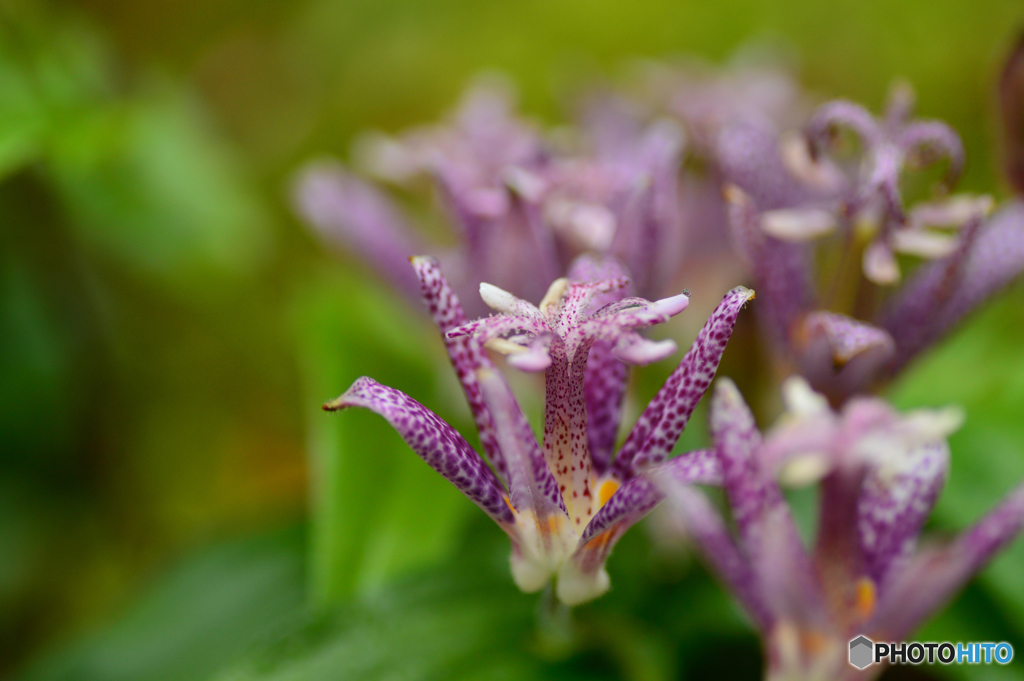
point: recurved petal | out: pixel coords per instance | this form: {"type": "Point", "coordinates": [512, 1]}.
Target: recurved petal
{"type": "Point", "coordinates": [499, 326]}
{"type": "Point", "coordinates": [767, 532]}
{"type": "Point", "coordinates": [894, 503]}
{"type": "Point", "coordinates": [934, 576]}
{"type": "Point", "coordinates": [847, 337]}
{"type": "Point", "coordinates": [751, 491]}
{"type": "Point", "coordinates": [503, 301]}
{"type": "Point", "coordinates": [931, 141]}
{"type": "Point", "coordinates": [660, 425]}
{"type": "Point", "coordinates": [944, 292]}
{"type": "Point", "coordinates": [637, 497]}
{"type": "Point", "coordinates": [466, 354]}
{"type": "Point", "coordinates": [841, 113]}
{"type": "Point", "coordinates": [354, 216]}
{"type": "Point", "coordinates": [436, 442]}
{"type": "Point", "coordinates": [841, 356]}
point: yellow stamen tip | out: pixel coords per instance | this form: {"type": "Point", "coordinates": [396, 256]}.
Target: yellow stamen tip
{"type": "Point", "coordinates": [605, 492]}
{"type": "Point", "coordinates": [865, 598]}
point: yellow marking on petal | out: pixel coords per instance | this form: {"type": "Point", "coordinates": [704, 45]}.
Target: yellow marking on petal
{"type": "Point", "coordinates": [605, 492]}
{"type": "Point", "coordinates": [812, 642]}
{"type": "Point", "coordinates": [601, 539]}
{"type": "Point", "coordinates": [509, 504]}
{"type": "Point", "coordinates": [554, 294]}
{"type": "Point", "coordinates": [865, 598]}
{"type": "Point", "coordinates": [505, 347]}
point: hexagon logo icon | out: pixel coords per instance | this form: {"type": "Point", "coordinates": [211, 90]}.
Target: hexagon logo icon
{"type": "Point", "coordinates": [861, 652]}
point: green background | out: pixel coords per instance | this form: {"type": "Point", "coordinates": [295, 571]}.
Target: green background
{"type": "Point", "coordinates": [168, 331]}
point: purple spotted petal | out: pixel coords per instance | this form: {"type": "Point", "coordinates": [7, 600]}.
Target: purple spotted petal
{"type": "Point", "coordinates": [767, 532]}
{"type": "Point", "coordinates": [354, 216]}
{"type": "Point", "coordinates": [641, 494]}
{"type": "Point", "coordinates": [605, 379]}
{"type": "Point", "coordinates": [660, 425]}
{"type": "Point", "coordinates": [933, 302]}
{"type": "Point", "coordinates": [635, 499]}
{"type": "Point", "coordinates": [841, 356]}
{"type": "Point", "coordinates": [437, 443]}
{"type": "Point", "coordinates": [719, 549]}
{"type": "Point", "coordinates": [499, 326]}
{"type": "Point", "coordinates": [466, 354]}
{"type": "Point", "coordinates": [604, 389]}
{"type": "Point", "coordinates": [530, 483]}
{"type": "Point", "coordinates": [893, 506]}
{"type": "Point", "coordinates": [935, 575]}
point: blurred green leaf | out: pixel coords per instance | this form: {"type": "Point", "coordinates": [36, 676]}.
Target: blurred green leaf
{"type": "Point", "coordinates": [453, 622]}
{"type": "Point", "coordinates": [378, 510]}
{"type": "Point", "coordinates": [205, 612]}
{"type": "Point", "coordinates": [146, 182]}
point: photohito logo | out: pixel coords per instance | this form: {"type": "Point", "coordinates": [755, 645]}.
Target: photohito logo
{"type": "Point", "coordinates": [861, 652]}
{"type": "Point", "coordinates": [865, 652]}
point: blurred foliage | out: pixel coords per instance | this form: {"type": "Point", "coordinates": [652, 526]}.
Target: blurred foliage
{"type": "Point", "coordinates": [168, 332]}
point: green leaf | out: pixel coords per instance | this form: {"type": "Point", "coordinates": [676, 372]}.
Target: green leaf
{"type": "Point", "coordinates": [204, 613]}
{"type": "Point", "coordinates": [449, 623]}
{"type": "Point", "coordinates": [378, 510]}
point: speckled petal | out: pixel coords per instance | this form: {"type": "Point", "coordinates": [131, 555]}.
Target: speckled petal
{"type": "Point", "coordinates": [893, 505]}
{"type": "Point", "coordinates": [638, 496]}
{"type": "Point", "coordinates": [660, 425]}
{"type": "Point", "coordinates": [767, 532]}
{"type": "Point", "coordinates": [604, 389]}
{"type": "Point", "coordinates": [352, 215]}
{"type": "Point", "coordinates": [499, 326]}
{"type": "Point", "coordinates": [606, 376]}
{"type": "Point", "coordinates": [437, 443]}
{"type": "Point", "coordinates": [935, 575]}
{"type": "Point", "coordinates": [466, 354]}
{"type": "Point", "coordinates": [847, 337]}
{"type": "Point", "coordinates": [841, 356]}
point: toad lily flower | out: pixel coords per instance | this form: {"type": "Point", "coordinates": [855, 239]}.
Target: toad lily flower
{"type": "Point", "coordinates": [562, 506]}
{"type": "Point", "coordinates": [866, 333]}
{"type": "Point", "coordinates": [521, 209]}
{"type": "Point", "coordinates": [893, 144]}
{"type": "Point", "coordinates": [880, 473]}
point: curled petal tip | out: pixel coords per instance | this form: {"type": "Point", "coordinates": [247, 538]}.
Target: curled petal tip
{"type": "Point", "coordinates": [530, 361]}
{"type": "Point", "coordinates": [645, 351]}
{"type": "Point", "coordinates": [671, 306]}
{"type": "Point", "coordinates": [494, 297]}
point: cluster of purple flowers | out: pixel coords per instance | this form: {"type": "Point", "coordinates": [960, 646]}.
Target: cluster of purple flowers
{"type": "Point", "coordinates": [726, 174]}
